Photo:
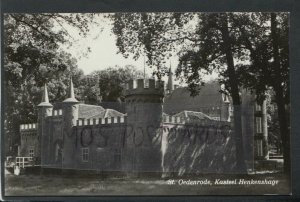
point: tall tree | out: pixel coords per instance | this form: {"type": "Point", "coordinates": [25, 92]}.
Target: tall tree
{"type": "Point", "coordinates": [204, 42]}
{"type": "Point", "coordinates": [32, 57]}
{"type": "Point", "coordinates": [280, 90]}
{"type": "Point", "coordinates": [267, 43]}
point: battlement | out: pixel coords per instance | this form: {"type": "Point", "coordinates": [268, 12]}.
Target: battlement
{"type": "Point", "coordinates": [180, 120]}
{"type": "Point", "coordinates": [30, 126]}
{"type": "Point", "coordinates": [145, 86]}
{"type": "Point", "coordinates": [173, 119]}
{"type": "Point", "coordinates": [100, 121]}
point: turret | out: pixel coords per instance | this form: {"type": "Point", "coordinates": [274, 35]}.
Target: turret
{"type": "Point", "coordinates": [44, 110]}
{"type": "Point", "coordinates": [70, 116]}
{"type": "Point", "coordinates": [142, 151]}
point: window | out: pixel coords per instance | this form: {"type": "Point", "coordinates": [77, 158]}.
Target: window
{"type": "Point", "coordinates": [31, 152]}
{"type": "Point", "coordinates": [146, 83]}
{"type": "Point", "coordinates": [259, 148]}
{"type": "Point", "coordinates": [258, 125]}
{"type": "Point", "coordinates": [257, 107]}
{"type": "Point", "coordinates": [85, 154]}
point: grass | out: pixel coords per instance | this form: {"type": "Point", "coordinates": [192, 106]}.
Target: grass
{"type": "Point", "coordinates": [48, 185]}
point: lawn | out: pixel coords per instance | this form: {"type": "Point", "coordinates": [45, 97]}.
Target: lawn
{"type": "Point", "coordinates": [49, 185]}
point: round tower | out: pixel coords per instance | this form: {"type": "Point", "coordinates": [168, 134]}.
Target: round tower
{"type": "Point", "coordinates": [142, 148]}
{"type": "Point", "coordinates": [44, 110]}
{"type": "Point", "coordinates": [70, 116]}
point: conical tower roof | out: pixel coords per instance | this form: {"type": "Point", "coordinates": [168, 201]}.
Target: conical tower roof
{"type": "Point", "coordinates": [71, 94]}
{"type": "Point", "coordinates": [45, 100]}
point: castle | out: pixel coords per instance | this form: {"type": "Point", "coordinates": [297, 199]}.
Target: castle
{"type": "Point", "coordinates": [163, 129]}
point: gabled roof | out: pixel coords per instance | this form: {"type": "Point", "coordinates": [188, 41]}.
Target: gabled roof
{"type": "Point", "coordinates": [87, 111]}
{"type": "Point", "coordinates": [113, 113]}
{"type": "Point", "coordinates": [180, 99]}
{"type": "Point", "coordinates": [93, 111]}
{"type": "Point", "coordinates": [192, 115]}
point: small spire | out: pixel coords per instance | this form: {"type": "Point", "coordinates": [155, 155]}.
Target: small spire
{"type": "Point", "coordinates": [170, 80]}
{"type": "Point", "coordinates": [71, 94]}
{"type": "Point", "coordinates": [45, 98]}
{"type": "Point", "coordinates": [71, 89]}
{"type": "Point", "coordinates": [45, 95]}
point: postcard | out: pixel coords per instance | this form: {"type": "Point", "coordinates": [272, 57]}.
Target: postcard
{"type": "Point", "coordinates": [146, 104]}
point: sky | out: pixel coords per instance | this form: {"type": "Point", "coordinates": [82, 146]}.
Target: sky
{"type": "Point", "coordinates": [104, 52]}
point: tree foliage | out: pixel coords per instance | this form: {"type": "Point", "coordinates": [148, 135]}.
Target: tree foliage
{"type": "Point", "coordinates": [153, 35]}
{"type": "Point", "coordinates": [247, 50]}
{"type": "Point", "coordinates": [33, 56]}
{"type": "Point", "coordinates": [106, 85]}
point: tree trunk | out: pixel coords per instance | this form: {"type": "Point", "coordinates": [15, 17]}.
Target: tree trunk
{"type": "Point", "coordinates": [284, 131]}
{"type": "Point", "coordinates": [278, 88]}
{"type": "Point", "coordinates": [234, 91]}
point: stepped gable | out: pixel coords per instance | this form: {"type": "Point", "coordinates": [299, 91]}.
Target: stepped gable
{"type": "Point", "coordinates": [180, 99]}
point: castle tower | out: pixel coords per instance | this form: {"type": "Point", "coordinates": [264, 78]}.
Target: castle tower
{"type": "Point", "coordinates": [44, 110]}
{"type": "Point", "coordinates": [261, 129]}
{"type": "Point", "coordinates": [142, 143]}
{"type": "Point", "coordinates": [170, 86]}
{"type": "Point", "coordinates": [70, 116]}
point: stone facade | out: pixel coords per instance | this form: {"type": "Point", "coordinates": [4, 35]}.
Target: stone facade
{"type": "Point", "coordinates": [72, 135]}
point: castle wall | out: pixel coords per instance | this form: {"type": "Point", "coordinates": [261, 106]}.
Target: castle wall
{"type": "Point", "coordinates": [203, 147]}
{"type": "Point", "coordinates": [142, 141]}
{"type": "Point", "coordinates": [52, 142]}
{"type": "Point", "coordinates": [103, 141]}
{"type": "Point", "coordinates": [100, 137]}
{"type": "Point", "coordinates": [29, 140]}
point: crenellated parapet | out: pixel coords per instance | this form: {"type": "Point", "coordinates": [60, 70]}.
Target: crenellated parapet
{"type": "Point", "coordinates": [144, 87]}
{"type": "Point", "coordinates": [27, 127]}
{"type": "Point", "coordinates": [185, 121]}
{"type": "Point", "coordinates": [174, 119]}
{"type": "Point", "coordinates": [101, 121]}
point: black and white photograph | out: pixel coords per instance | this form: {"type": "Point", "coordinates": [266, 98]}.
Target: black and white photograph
{"type": "Point", "coordinates": [146, 103]}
